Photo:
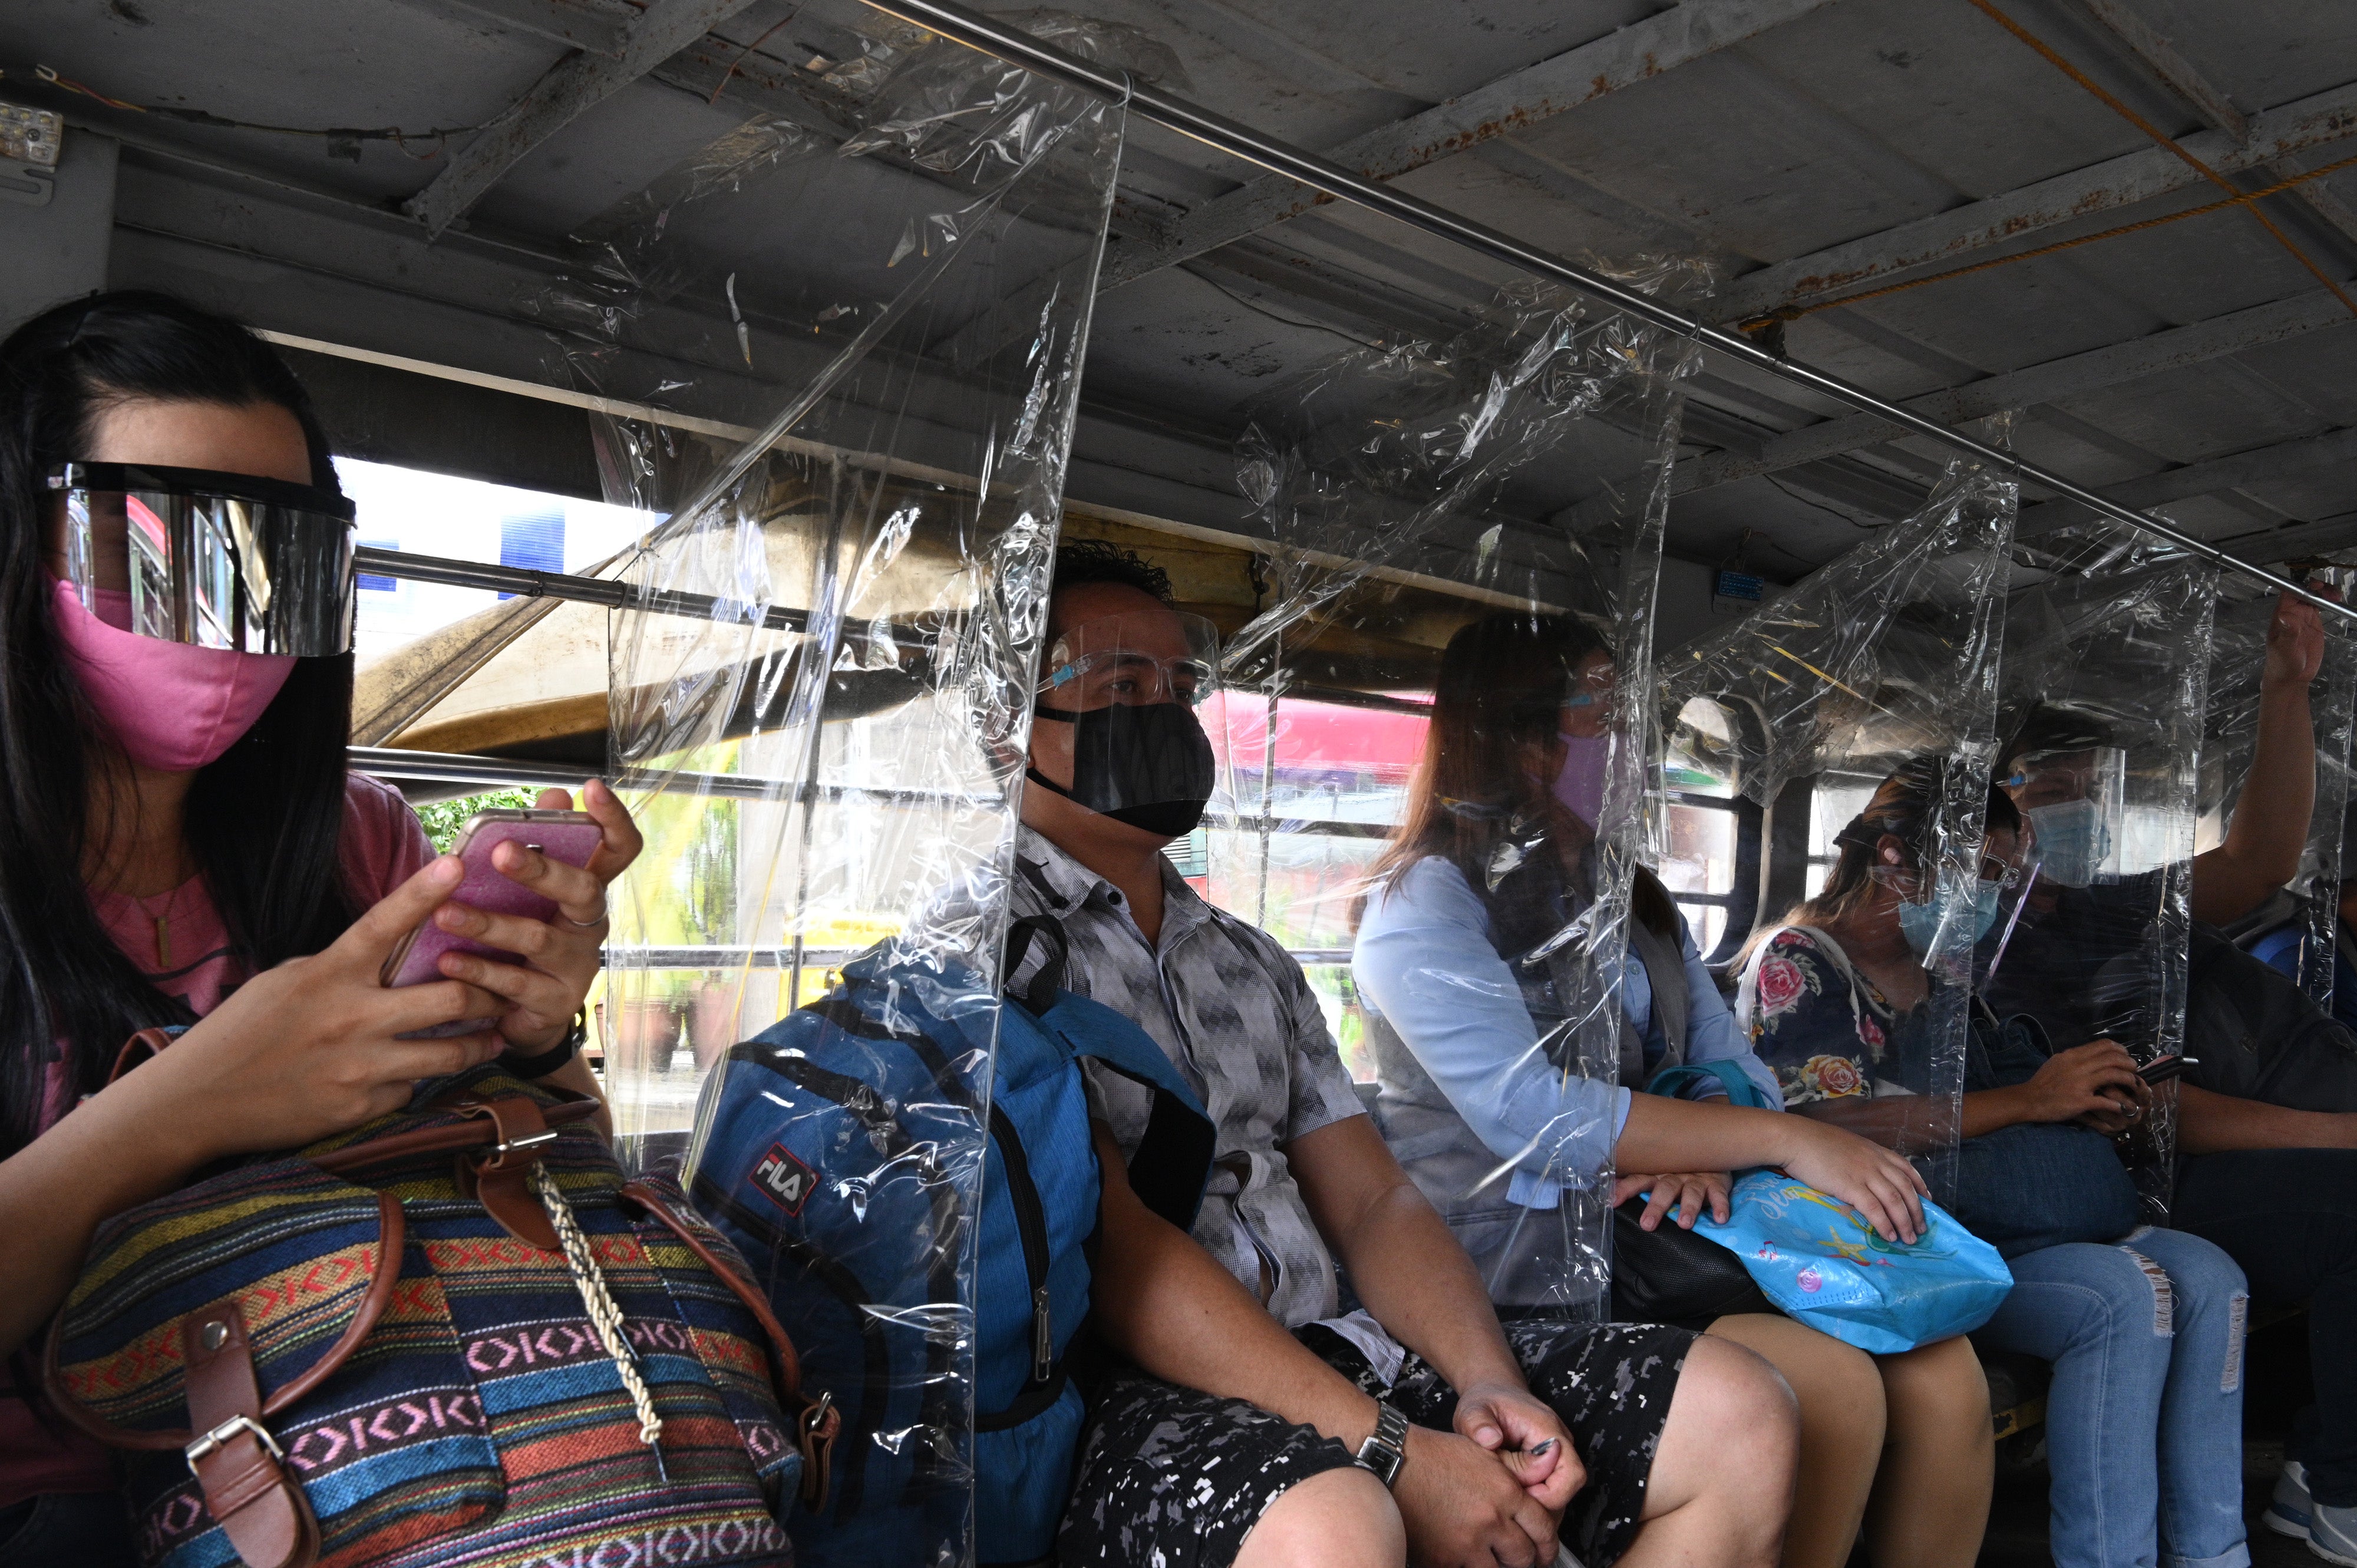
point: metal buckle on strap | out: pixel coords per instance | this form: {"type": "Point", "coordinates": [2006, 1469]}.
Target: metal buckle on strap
{"type": "Point", "coordinates": [211, 1443]}
{"type": "Point", "coordinates": [495, 1156]}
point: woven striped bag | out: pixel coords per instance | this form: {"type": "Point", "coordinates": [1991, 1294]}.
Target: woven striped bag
{"type": "Point", "coordinates": [455, 1335]}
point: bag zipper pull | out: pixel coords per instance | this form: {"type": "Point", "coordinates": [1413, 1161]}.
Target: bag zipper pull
{"type": "Point", "coordinates": [1043, 1337]}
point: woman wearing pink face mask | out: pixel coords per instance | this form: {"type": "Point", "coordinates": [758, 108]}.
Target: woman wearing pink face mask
{"type": "Point", "coordinates": [182, 844]}
{"type": "Point", "coordinates": [1460, 962]}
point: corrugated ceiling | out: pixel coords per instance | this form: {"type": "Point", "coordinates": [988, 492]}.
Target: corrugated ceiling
{"type": "Point", "coordinates": [1809, 148]}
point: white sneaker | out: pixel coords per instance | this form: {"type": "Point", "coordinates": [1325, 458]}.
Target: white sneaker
{"type": "Point", "coordinates": [2332, 1535]}
{"type": "Point", "coordinates": [2291, 1511]}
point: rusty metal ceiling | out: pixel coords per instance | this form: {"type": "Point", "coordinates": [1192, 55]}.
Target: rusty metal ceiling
{"type": "Point", "coordinates": [1813, 150]}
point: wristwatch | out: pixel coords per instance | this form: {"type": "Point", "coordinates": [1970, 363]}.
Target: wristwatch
{"type": "Point", "coordinates": [555, 1057]}
{"type": "Point", "coordinates": [1385, 1449]}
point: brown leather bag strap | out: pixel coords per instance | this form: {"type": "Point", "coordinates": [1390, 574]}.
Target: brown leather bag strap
{"type": "Point", "coordinates": [471, 1133]}
{"type": "Point", "coordinates": [817, 1421]}
{"type": "Point", "coordinates": [143, 1043]}
{"type": "Point", "coordinates": [815, 1430]}
{"type": "Point", "coordinates": [391, 1239]}
{"type": "Point", "coordinates": [524, 1132]}
{"type": "Point", "coordinates": [501, 1178]}
{"type": "Point", "coordinates": [240, 1466]}
{"type": "Point", "coordinates": [507, 1196]}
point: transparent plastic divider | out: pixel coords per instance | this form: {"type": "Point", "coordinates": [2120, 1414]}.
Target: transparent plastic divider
{"type": "Point", "coordinates": [1385, 482]}
{"type": "Point", "coordinates": [1872, 680]}
{"type": "Point", "coordinates": [819, 689]}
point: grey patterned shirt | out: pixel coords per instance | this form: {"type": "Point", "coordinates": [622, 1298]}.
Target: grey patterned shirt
{"type": "Point", "coordinates": [1236, 1013]}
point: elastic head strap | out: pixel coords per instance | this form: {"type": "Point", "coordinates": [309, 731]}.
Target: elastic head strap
{"type": "Point", "coordinates": [1041, 779]}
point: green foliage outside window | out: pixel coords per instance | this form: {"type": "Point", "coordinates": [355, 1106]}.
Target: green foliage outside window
{"type": "Point", "coordinates": [443, 818]}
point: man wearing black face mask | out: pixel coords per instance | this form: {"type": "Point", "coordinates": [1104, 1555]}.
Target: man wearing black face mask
{"type": "Point", "coordinates": [1228, 1434]}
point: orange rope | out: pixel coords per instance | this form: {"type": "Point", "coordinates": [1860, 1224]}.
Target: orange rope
{"type": "Point", "coordinates": [2235, 197]}
{"type": "Point", "coordinates": [2163, 138]}
{"type": "Point", "coordinates": [70, 85]}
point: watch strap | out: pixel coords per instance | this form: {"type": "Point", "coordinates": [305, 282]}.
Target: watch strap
{"type": "Point", "coordinates": [556, 1056]}
{"type": "Point", "coordinates": [1385, 1449]}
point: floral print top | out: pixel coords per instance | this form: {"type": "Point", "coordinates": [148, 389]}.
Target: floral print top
{"type": "Point", "coordinates": [1820, 1027]}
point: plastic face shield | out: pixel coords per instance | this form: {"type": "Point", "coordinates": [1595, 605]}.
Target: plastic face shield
{"type": "Point", "coordinates": [227, 561]}
{"type": "Point", "coordinates": [1587, 710]}
{"type": "Point", "coordinates": [2076, 805]}
{"type": "Point", "coordinates": [1132, 659]}
{"type": "Point", "coordinates": [1127, 686]}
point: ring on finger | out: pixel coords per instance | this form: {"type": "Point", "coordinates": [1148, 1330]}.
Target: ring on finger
{"type": "Point", "coordinates": [584, 925]}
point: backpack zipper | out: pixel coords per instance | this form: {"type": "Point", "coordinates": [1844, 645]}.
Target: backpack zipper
{"type": "Point", "coordinates": [1031, 1226]}
{"type": "Point", "coordinates": [1030, 1216]}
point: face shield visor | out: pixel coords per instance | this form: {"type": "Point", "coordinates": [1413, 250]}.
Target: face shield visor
{"type": "Point", "coordinates": [1127, 687]}
{"type": "Point", "coordinates": [224, 561]}
{"type": "Point", "coordinates": [2076, 804]}
{"type": "Point", "coordinates": [1584, 728]}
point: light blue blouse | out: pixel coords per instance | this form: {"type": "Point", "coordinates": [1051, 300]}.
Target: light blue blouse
{"type": "Point", "coordinates": [1425, 963]}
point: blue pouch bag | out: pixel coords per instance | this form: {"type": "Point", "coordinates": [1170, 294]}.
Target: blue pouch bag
{"type": "Point", "coordinates": [1824, 1265]}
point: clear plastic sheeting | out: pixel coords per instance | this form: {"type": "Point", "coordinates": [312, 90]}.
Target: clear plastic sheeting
{"type": "Point", "coordinates": [855, 428]}
{"type": "Point", "coordinates": [1866, 698]}
{"type": "Point", "coordinates": [1377, 800]}
{"type": "Point", "coordinates": [2311, 901]}
{"type": "Point", "coordinates": [2107, 660]}
{"type": "Point", "coordinates": [1362, 462]}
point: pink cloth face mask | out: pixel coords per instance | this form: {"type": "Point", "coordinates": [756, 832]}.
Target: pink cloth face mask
{"type": "Point", "coordinates": [1580, 785]}
{"type": "Point", "coordinates": [173, 707]}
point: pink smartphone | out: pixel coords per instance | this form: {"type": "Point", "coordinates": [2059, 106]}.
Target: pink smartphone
{"type": "Point", "coordinates": [570, 836]}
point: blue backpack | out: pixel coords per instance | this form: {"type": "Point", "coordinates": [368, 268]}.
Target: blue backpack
{"type": "Point", "coordinates": [837, 1154]}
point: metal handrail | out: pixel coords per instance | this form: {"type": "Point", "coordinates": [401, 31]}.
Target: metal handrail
{"type": "Point", "coordinates": [993, 37]}
{"type": "Point", "coordinates": [396, 763]}
{"type": "Point", "coordinates": [526, 582]}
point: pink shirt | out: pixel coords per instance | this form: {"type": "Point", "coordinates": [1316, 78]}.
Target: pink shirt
{"type": "Point", "coordinates": [384, 846]}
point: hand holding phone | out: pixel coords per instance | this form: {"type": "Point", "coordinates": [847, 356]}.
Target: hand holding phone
{"type": "Point", "coordinates": [570, 837]}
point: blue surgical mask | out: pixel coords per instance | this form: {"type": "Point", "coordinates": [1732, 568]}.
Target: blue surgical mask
{"type": "Point", "coordinates": [2072, 842]}
{"type": "Point", "coordinates": [1920, 923]}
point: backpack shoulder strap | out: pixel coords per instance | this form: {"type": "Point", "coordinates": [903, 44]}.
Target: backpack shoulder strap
{"type": "Point", "coordinates": [1173, 1159]}
{"type": "Point", "coordinates": [2267, 946]}
{"type": "Point", "coordinates": [1048, 932]}
{"type": "Point", "coordinates": [1671, 1081]}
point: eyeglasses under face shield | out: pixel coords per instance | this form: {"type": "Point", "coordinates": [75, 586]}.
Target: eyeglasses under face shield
{"type": "Point", "coordinates": [1127, 686]}
{"type": "Point", "coordinates": [2076, 802]}
{"type": "Point", "coordinates": [228, 561]}
{"type": "Point", "coordinates": [1131, 661]}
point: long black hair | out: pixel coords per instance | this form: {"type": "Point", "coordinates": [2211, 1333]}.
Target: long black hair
{"type": "Point", "coordinates": [265, 823]}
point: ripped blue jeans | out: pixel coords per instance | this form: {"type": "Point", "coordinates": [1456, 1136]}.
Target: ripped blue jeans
{"type": "Point", "coordinates": [2144, 1423]}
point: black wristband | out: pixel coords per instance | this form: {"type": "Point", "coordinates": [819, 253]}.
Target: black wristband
{"type": "Point", "coordinates": [555, 1057]}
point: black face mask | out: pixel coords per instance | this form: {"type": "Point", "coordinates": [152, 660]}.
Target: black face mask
{"type": "Point", "coordinates": [1150, 767]}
